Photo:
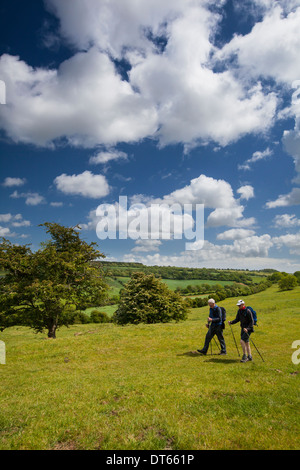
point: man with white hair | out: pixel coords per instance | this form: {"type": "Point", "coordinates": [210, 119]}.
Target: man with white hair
{"type": "Point", "coordinates": [214, 328]}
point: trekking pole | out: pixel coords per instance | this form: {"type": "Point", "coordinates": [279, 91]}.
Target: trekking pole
{"type": "Point", "coordinates": [208, 326]}
{"type": "Point", "coordinates": [234, 340]}
{"type": "Point", "coordinates": [255, 347]}
{"type": "Point", "coordinates": [217, 344]}
{"type": "Point", "coordinates": [214, 340]}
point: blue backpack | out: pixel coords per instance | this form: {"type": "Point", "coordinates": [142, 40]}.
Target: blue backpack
{"type": "Point", "coordinates": [254, 315]}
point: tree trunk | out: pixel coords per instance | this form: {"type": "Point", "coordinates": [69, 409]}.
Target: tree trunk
{"type": "Point", "coordinates": [52, 331]}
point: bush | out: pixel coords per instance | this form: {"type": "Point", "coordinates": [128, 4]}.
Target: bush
{"type": "Point", "coordinates": [99, 317]}
{"type": "Point", "coordinates": [288, 282]}
{"type": "Point", "coordinates": [81, 318]}
{"type": "Point", "coordinates": [275, 277]}
{"type": "Point", "coordinates": [146, 299]}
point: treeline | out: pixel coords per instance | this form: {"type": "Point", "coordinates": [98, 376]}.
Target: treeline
{"type": "Point", "coordinates": [199, 289]}
{"type": "Point", "coordinates": [232, 290]}
{"type": "Point", "coordinates": [114, 269]}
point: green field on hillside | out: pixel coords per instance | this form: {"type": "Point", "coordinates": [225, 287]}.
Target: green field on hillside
{"type": "Point", "coordinates": [117, 283]}
{"type": "Point", "coordinates": [102, 386]}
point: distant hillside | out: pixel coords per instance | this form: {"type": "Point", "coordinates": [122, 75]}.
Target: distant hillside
{"type": "Point", "coordinates": [121, 269]}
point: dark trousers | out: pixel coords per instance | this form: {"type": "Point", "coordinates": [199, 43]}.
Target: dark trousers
{"type": "Point", "coordinates": [212, 331]}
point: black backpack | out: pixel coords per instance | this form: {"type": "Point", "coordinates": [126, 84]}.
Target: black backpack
{"type": "Point", "coordinates": [223, 316]}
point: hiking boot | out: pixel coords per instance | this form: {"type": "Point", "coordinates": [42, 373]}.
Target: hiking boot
{"type": "Point", "coordinates": [201, 351]}
{"type": "Point", "coordinates": [222, 353]}
{"type": "Point", "coordinates": [250, 358]}
{"type": "Point", "coordinates": [244, 358]}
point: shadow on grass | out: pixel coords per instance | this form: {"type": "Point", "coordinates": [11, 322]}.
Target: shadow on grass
{"type": "Point", "coordinates": [224, 361]}
{"type": "Point", "coordinates": [209, 358]}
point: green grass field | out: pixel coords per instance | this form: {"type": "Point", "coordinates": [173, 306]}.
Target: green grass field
{"type": "Point", "coordinates": [141, 387]}
{"type": "Point", "coordinates": [117, 283]}
{"type": "Point", "coordinates": [108, 309]}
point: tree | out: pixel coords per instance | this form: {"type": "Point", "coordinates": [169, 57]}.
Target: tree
{"type": "Point", "coordinates": [288, 282]}
{"type": "Point", "coordinates": [275, 277]}
{"type": "Point", "coordinates": [146, 299]}
{"type": "Point", "coordinates": [297, 275]}
{"type": "Point", "coordinates": [43, 289]}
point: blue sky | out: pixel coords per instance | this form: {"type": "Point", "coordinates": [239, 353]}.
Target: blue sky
{"type": "Point", "coordinates": [174, 102]}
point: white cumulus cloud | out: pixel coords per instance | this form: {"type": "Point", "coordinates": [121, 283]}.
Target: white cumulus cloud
{"type": "Point", "coordinates": [171, 91]}
{"type": "Point", "coordinates": [31, 198]}
{"type": "Point", "coordinates": [290, 199]}
{"type": "Point", "coordinates": [256, 53]}
{"type": "Point", "coordinates": [286, 221]}
{"type": "Point", "coordinates": [246, 192]}
{"type": "Point", "coordinates": [291, 241]}
{"type": "Point", "coordinates": [84, 101]}
{"type": "Point", "coordinates": [85, 184]}
{"type": "Point", "coordinates": [235, 234]}
{"type": "Point", "coordinates": [107, 156]}
{"type": "Point", "coordinates": [9, 182]}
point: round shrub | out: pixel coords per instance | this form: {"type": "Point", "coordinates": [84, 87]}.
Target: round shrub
{"type": "Point", "coordinates": [146, 299]}
{"type": "Point", "coordinates": [99, 317]}
{"type": "Point", "coordinates": [81, 318]}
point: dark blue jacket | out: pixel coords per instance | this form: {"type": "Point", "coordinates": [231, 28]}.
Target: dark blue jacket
{"type": "Point", "coordinates": [216, 315]}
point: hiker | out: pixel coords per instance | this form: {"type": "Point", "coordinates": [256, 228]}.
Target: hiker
{"type": "Point", "coordinates": [215, 327]}
{"type": "Point", "coordinates": [244, 316]}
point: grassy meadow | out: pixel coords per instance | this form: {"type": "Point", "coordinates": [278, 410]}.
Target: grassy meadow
{"type": "Point", "coordinates": [118, 282]}
{"type": "Point", "coordinates": [102, 386]}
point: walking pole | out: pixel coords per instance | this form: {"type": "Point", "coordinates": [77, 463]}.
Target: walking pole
{"type": "Point", "coordinates": [217, 344]}
{"type": "Point", "coordinates": [234, 340]}
{"type": "Point", "coordinates": [214, 340]}
{"type": "Point", "coordinates": [255, 347]}
{"type": "Point", "coordinates": [208, 326]}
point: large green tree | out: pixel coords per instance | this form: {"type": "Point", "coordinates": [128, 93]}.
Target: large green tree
{"type": "Point", "coordinates": [42, 289]}
{"type": "Point", "coordinates": [146, 299]}
{"type": "Point", "coordinates": [288, 282]}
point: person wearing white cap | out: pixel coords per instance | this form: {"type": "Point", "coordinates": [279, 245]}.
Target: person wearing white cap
{"type": "Point", "coordinates": [244, 316]}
